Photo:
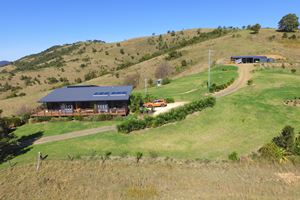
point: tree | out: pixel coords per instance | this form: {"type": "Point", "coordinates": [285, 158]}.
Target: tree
{"type": "Point", "coordinates": [255, 28]}
{"type": "Point", "coordinates": [136, 101]}
{"type": "Point", "coordinates": [132, 79]}
{"type": "Point", "coordinates": [289, 23]}
{"type": "Point", "coordinates": [286, 139]}
{"type": "Point", "coordinates": [6, 141]}
{"type": "Point", "coordinates": [183, 63]}
{"type": "Point", "coordinates": [163, 70]}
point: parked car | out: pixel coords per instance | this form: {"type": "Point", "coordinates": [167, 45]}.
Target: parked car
{"type": "Point", "coordinates": [156, 103]}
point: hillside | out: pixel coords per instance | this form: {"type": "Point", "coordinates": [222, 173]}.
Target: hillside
{"type": "Point", "coordinates": [4, 63]}
{"type": "Point", "coordinates": [241, 122]}
{"type": "Point", "coordinates": [96, 62]}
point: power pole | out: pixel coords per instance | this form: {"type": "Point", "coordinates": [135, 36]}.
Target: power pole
{"type": "Point", "coordinates": [146, 91]}
{"type": "Point", "coordinates": [209, 65]}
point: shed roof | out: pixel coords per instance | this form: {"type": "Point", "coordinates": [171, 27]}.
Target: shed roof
{"type": "Point", "coordinates": [88, 93]}
{"type": "Point", "coordinates": [255, 57]}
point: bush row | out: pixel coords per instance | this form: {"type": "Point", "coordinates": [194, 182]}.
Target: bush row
{"type": "Point", "coordinates": [217, 88]}
{"type": "Point", "coordinates": [71, 118]}
{"type": "Point", "coordinates": [174, 115]}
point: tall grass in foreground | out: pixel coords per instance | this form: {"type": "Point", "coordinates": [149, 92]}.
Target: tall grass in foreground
{"type": "Point", "coordinates": [82, 179]}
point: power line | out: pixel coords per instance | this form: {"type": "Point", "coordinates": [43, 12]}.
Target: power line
{"type": "Point", "coordinates": [209, 66]}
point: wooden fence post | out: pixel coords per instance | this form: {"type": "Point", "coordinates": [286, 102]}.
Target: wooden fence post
{"type": "Point", "coordinates": [39, 160]}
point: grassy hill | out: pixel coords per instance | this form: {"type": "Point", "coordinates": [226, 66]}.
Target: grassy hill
{"type": "Point", "coordinates": [241, 122]}
{"type": "Point", "coordinates": [96, 62]}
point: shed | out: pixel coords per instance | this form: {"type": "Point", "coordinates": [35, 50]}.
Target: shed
{"type": "Point", "coordinates": [251, 59]}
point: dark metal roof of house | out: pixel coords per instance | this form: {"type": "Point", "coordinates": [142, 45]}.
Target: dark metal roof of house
{"type": "Point", "coordinates": [88, 93]}
{"type": "Point", "coordinates": [238, 57]}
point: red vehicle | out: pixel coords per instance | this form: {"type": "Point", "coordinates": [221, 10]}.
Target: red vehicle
{"type": "Point", "coordinates": [156, 103]}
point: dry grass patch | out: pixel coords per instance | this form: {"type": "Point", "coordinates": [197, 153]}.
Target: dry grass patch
{"type": "Point", "coordinates": [150, 179]}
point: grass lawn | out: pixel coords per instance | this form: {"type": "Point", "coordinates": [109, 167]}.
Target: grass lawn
{"type": "Point", "coordinates": [57, 128]}
{"type": "Point", "coordinates": [192, 87]}
{"type": "Point", "coordinates": [241, 122]}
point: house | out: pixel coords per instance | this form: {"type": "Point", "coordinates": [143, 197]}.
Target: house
{"type": "Point", "coordinates": [251, 59]}
{"type": "Point", "coordinates": [86, 100]}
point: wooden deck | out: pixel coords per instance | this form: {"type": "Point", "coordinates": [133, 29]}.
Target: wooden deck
{"type": "Point", "coordinates": [60, 113]}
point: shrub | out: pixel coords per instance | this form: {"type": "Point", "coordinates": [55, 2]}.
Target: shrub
{"type": "Point", "coordinates": [52, 80]}
{"type": "Point", "coordinates": [78, 118]}
{"type": "Point", "coordinates": [70, 118]}
{"type": "Point", "coordinates": [216, 88]}
{"type": "Point", "coordinates": [102, 117]}
{"type": "Point", "coordinates": [293, 37]}
{"type": "Point", "coordinates": [139, 156]}
{"type": "Point", "coordinates": [176, 114]}
{"type": "Point", "coordinates": [293, 71]}
{"type": "Point", "coordinates": [124, 65]}
{"type": "Point", "coordinates": [13, 122]}
{"type": "Point", "coordinates": [90, 75]}
{"type": "Point", "coordinates": [170, 100]}
{"type": "Point", "coordinates": [136, 101]}
{"type": "Point", "coordinates": [173, 55]}
{"type": "Point", "coordinates": [250, 82]}
{"type": "Point", "coordinates": [78, 80]}
{"type": "Point", "coordinates": [286, 138]}
{"type": "Point", "coordinates": [82, 65]}
{"type": "Point", "coordinates": [255, 28]}
{"type": "Point", "coordinates": [25, 117]}
{"type": "Point", "coordinates": [233, 156]}
{"type": "Point", "coordinates": [166, 81]}
{"type": "Point", "coordinates": [284, 35]}
{"type": "Point", "coordinates": [41, 119]}
{"type": "Point", "coordinates": [272, 152]}
{"type": "Point", "coordinates": [183, 63]}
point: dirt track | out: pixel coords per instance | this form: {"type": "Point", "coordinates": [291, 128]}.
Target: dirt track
{"type": "Point", "coordinates": [244, 75]}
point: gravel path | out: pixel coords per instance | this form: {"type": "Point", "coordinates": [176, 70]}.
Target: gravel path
{"type": "Point", "coordinates": [75, 134]}
{"type": "Point", "coordinates": [170, 106]}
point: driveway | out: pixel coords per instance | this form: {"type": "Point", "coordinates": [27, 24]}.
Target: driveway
{"type": "Point", "coordinates": [244, 75]}
{"type": "Point", "coordinates": [170, 106]}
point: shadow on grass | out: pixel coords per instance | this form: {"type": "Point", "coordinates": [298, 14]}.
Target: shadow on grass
{"type": "Point", "coordinates": [19, 146]}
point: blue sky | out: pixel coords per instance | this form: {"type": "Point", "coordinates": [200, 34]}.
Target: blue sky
{"type": "Point", "coordinates": [30, 26]}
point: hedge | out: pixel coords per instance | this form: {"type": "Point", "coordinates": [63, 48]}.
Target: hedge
{"type": "Point", "coordinates": [217, 88]}
{"type": "Point", "coordinates": [95, 118]}
{"type": "Point", "coordinates": [174, 115]}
